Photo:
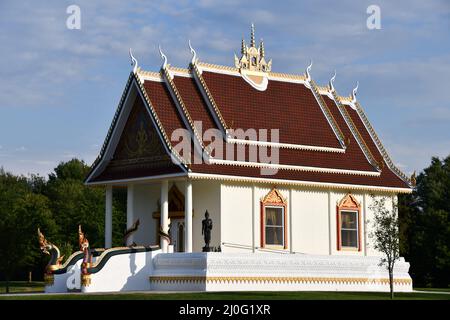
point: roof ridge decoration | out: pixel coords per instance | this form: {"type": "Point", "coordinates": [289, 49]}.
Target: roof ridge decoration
{"type": "Point", "coordinates": [328, 115]}
{"type": "Point", "coordinates": [370, 157]}
{"type": "Point", "coordinates": [252, 65]}
{"type": "Point", "coordinates": [354, 91]}
{"type": "Point", "coordinates": [179, 100]}
{"type": "Point", "coordinates": [206, 93]}
{"type": "Point", "coordinates": [194, 54]}
{"type": "Point", "coordinates": [308, 71]}
{"type": "Point", "coordinates": [134, 61]}
{"type": "Point", "coordinates": [376, 139]}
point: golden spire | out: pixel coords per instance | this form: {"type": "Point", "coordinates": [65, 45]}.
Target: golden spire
{"type": "Point", "coordinates": [252, 37]}
{"type": "Point", "coordinates": [253, 58]}
{"type": "Point", "coordinates": [261, 48]}
{"type": "Point", "coordinates": [243, 47]}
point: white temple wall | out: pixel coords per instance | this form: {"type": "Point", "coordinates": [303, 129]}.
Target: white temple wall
{"type": "Point", "coordinates": [236, 217]}
{"type": "Point", "coordinates": [314, 224]}
{"type": "Point", "coordinates": [205, 196]}
{"type": "Point", "coordinates": [146, 198]}
{"type": "Point", "coordinates": [310, 233]}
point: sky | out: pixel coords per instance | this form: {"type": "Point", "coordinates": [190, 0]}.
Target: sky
{"type": "Point", "coordinates": [59, 87]}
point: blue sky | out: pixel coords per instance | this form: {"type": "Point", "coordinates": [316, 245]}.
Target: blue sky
{"type": "Point", "coordinates": [60, 87]}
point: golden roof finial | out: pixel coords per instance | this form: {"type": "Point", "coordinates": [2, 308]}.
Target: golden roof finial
{"type": "Point", "coordinates": [253, 58]}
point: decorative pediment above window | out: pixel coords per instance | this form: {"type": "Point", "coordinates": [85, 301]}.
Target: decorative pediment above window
{"type": "Point", "coordinates": [252, 64]}
{"type": "Point", "coordinates": [349, 202]}
{"type": "Point", "coordinates": [274, 197]}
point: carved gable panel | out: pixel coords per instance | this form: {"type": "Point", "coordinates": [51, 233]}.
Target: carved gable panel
{"type": "Point", "coordinates": [139, 139]}
{"type": "Point", "coordinates": [274, 197]}
{"type": "Point", "coordinates": [349, 202]}
{"type": "Point", "coordinates": [140, 150]}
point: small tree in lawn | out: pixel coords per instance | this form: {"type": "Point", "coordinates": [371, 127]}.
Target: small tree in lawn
{"type": "Point", "coordinates": [386, 235]}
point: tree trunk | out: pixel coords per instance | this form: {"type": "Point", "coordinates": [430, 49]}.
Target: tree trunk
{"type": "Point", "coordinates": [7, 284]}
{"type": "Point", "coordinates": [391, 283]}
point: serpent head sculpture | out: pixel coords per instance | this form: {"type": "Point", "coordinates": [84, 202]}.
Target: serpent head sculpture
{"type": "Point", "coordinates": [52, 250]}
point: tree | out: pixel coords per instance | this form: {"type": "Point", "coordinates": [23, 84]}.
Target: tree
{"type": "Point", "coordinates": [386, 235]}
{"type": "Point", "coordinates": [425, 222]}
{"type": "Point", "coordinates": [73, 203]}
{"type": "Point", "coordinates": [21, 213]}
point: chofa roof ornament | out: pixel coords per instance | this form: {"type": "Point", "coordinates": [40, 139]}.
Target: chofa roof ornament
{"type": "Point", "coordinates": [354, 92]}
{"type": "Point", "coordinates": [332, 81]}
{"type": "Point", "coordinates": [194, 54]}
{"type": "Point", "coordinates": [163, 56]}
{"type": "Point", "coordinates": [308, 70]}
{"type": "Point", "coordinates": [134, 62]}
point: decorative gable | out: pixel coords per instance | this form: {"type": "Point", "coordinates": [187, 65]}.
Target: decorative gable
{"type": "Point", "coordinates": [274, 197]}
{"type": "Point", "coordinates": [349, 202]}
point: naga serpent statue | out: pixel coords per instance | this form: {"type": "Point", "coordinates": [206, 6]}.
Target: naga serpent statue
{"type": "Point", "coordinates": [52, 250]}
{"type": "Point", "coordinates": [87, 258]}
{"type": "Point", "coordinates": [55, 257]}
{"type": "Point", "coordinates": [130, 231]}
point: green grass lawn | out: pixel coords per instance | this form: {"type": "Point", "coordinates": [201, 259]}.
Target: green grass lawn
{"type": "Point", "coordinates": [24, 287]}
{"type": "Point", "coordinates": [433, 289]}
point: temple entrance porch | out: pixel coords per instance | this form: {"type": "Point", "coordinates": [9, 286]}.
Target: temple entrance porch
{"type": "Point", "coordinates": [165, 214]}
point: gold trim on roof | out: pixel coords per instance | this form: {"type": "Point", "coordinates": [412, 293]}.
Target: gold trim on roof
{"type": "Point", "coordinates": [310, 184]}
{"type": "Point", "coordinates": [199, 76]}
{"type": "Point", "coordinates": [356, 133]}
{"type": "Point", "coordinates": [180, 101]}
{"type": "Point", "coordinates": [332, 121]}
{"type": "Point", "coordinates": [380, 146]}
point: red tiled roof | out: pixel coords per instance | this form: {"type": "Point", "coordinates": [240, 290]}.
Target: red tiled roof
{"type": "Point", "coordinates": [290, 107]}
{"type": "Point", "coordinates": [287, 106]}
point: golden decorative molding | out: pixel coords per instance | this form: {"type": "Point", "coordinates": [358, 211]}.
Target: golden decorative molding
{"type": "Point", "coordinates": [274, 196]}
{"type": "Point", "coordinates": [179, 99]}
{"type": "Point", "coordinates": [260, 279]}
{"type": "Point", "coordinates": [331, 120]}
{"type": "Point", "coordinates": [362, 143]}
{"type": "Point", "coordinates": [349, 201]}
{"type": "Point", "coordinates": [287, 76]}
{"type": "Point", "coordinates": [85, 280]}
{"type": "Point", "coordinates": [310, 184]}
{"type": "Point", "coordinates": [49, 279]}
{"type": "Point", "coordinates": [211, 100]}
{"type": "Point", "coordinates": [380, 146]}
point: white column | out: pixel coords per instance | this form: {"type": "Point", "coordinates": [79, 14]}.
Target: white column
{"type": "Point", "coordinates": [188, 216]}
{"type": "Point", "coordinates": [364, 223]}
{"type": "Point", "coordinates": [330, 234]}
{"type": "Point", "coordinates": [108, 216]}
{"type": "Point", "coordinates": [130, 210]}
{"type": "Point", "coordinates": [164, 243]}
{"type": "Point", "coordinates": [291, 238]}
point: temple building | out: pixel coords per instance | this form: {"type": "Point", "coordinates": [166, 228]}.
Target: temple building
{"type": "Point", "coordinates": [285, 168]}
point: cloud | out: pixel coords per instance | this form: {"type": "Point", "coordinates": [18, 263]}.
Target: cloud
{"type": "Point", "coordinates": [402, 68]}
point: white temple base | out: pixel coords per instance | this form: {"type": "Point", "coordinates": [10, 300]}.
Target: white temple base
{"type": "Point", "coordinates": [270, 272]}
{"type": "Point", "coordinates": [218, 271]}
